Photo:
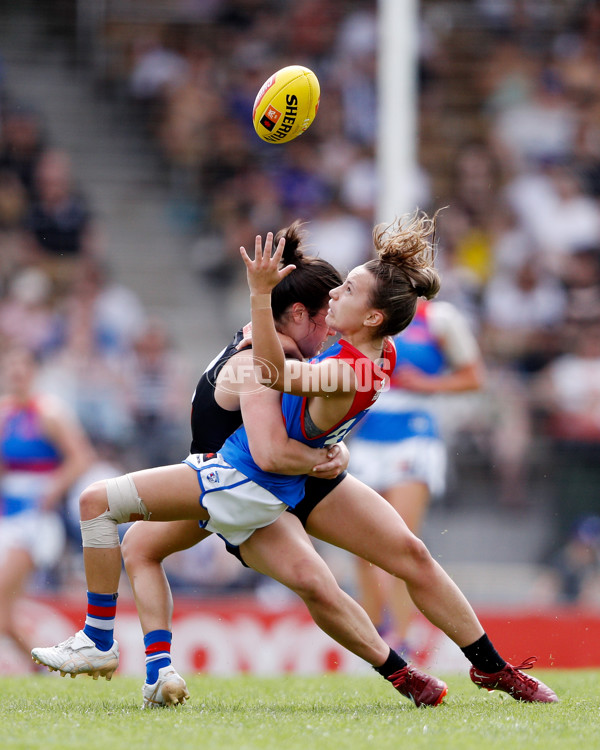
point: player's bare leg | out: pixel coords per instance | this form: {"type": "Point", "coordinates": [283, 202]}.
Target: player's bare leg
{"type": "Point", "coordinates": [166, 493]}
{"type": "Point", "coordinates": [356, 518]}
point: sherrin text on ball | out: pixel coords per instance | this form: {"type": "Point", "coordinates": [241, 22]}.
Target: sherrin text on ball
{"type": "Point", "coordinates": [286, 104]}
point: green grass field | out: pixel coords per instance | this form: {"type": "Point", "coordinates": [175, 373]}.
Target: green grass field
{"type": "Point", "coordinates": [332, 712]}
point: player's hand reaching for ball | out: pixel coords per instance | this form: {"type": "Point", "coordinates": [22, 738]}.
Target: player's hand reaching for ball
{"type": "Point", "coordinates": [263, 272]}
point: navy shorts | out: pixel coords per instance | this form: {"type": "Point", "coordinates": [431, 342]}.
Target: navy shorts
{"type": "Point", "coordinates": [314, 491]}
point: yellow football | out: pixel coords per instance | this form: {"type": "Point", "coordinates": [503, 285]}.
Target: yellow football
{"type": "Point", "coordinates": [286, 104]}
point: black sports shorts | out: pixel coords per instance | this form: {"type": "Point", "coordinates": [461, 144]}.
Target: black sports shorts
{"type": "Point", "coordinates": [314, 491]}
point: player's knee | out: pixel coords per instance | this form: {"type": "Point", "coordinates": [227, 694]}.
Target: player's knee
{"type": "Point", "coordinates": [130, 549]}
{"type": "Point", "coordinates": [93, 501]}
{"type": "Point", "coordinates": [135, 549]}
{"type": "Point", "coordinates": [313, 584]}
{"type": "Point", "coordinates": [415, 560]}
{"type": "Point", "coordinates": [418, 551]}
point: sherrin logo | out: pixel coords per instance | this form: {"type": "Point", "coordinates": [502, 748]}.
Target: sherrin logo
{"type": "Point", "coordinates": [289, 119]}
{"type": "Point", "coordinates": [270, 118]}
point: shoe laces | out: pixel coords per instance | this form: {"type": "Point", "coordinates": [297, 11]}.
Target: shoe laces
{"type": "Point", "coordinates": [527, 679]}
{"type": "Point", "coordinates": [527, 663]}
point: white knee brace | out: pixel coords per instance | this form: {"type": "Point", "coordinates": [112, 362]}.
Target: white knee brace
{"type": "Point", "coordinates": [123, 503]}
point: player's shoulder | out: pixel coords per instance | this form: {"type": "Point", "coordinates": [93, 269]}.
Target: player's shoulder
{"type": "Point", "coordinates": [51, 406]}
{"type": "Point", "coordinates": [235, 370]}
{"type": "Point", "coordinates": [442, 314]}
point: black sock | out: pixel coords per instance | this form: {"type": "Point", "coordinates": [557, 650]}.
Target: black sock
{"type": "Point", "coordinates": [484, 656]}
{"type": "Point", "coordinates": [394, 663]}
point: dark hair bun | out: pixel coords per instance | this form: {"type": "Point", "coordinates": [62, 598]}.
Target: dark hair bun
{"type": "Point", "coordinates": [294, 236]}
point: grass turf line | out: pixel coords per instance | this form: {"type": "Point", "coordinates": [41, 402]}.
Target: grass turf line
{"type": "Point", "coordinates": [333, 712]}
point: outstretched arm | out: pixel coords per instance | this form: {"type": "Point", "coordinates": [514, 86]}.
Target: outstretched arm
{"type": "Point", "coordinates": [299, 378]}
{"type": "Point", "coordinates": [263, 275]}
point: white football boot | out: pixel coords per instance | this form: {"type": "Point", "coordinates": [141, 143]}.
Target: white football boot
{"type": "Point", "coordinates": [168, 690]}
{"type": "Point", "coordinates": [78, 655]}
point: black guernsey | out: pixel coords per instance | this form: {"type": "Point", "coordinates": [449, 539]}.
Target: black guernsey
{"type": "Point", "coordinates": [211, 424]}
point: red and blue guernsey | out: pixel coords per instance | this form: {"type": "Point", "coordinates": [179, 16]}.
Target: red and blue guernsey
{"type": "Point", "coordinates": [406, 414]}
{"type": "Point", "coordinates": [371, 378]}
{"type": "Point", "coordinates": [27, 456]}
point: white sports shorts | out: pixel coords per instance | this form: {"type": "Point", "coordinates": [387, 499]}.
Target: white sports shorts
{"type": "Point", "coordinates": [237, 506]}
{"type": "Point", "coordinates": [41, 534]}
{"type": "Point", "coordinates": [383, 465]}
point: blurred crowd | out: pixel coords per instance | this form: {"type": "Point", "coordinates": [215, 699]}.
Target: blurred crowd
{"type": "Point", "coordinates": [97, 350]}
{"type": "Point", "coordinates": [509, 124]}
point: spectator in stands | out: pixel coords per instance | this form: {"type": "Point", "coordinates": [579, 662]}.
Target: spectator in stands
{"type": "Point", "coordinates": [555, 210]}
{"type": "Point", "coordinates": [471, 210]}
{"type": "Point", "coordinates": [91, 379]}
{"type": "Point", "coordinates": [156, 67]}
{"type": "Point", "coordinates": [358, 182]}
{"type": "Point", "coordinates": [117, 314]}
{"type": "Point", "coordinates": [158, 390]}
{"type": "Point", "coordinates": [512, 245]}
{"type": "Point", "coordinates": [188, 127]}
{"type": "Point", "coordinates": [22, 144]}
{"type": "Point", "coordinates": [462, 285]}
{"type": "Point", "coordinates": [507, 77]}
{"type": "Point", "coordinates": [522, 310]}
{"type": "Point", "coordinates": [59, 223]}
{"type": "Point", "coordinates": [13, 201]}
{"type": "Point", "coordinates": [581, 281]}
{"type": "Point", "coordinates": [27, 315]}
{"type": "Point", "coordinates": [339, 236]}
{"type": "Point", "coordinates": [567, 394]}
{"type": "Point", "coordinates": [573, 573]}
{"type": "Point", "coordinates": [541, 128]}
{"type": "Point", "coordinates": [13, 206]}
{"type": "Point", "coordinates": [301, 186]}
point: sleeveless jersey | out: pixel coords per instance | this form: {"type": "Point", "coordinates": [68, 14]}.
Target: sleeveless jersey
{"type": "Point", "coordinates": [371, 378]}
{"type": "Point", "coordinates": [28, 458]}
{"type": "Point", "coordinates": [403, 414]}
{"type": "Point", "coordinates": [211, 424]}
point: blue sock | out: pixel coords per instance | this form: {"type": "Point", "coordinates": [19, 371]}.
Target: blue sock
{"type": "Point", "coordinates": [158, 652]}
{"type": "Point", "coordinates": [100, 619]}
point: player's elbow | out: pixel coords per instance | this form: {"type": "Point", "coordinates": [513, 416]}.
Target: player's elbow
{"type": "Point", "coordinates": [265, 458]}
{"type": "Point", "coordinates": [269, 376]}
